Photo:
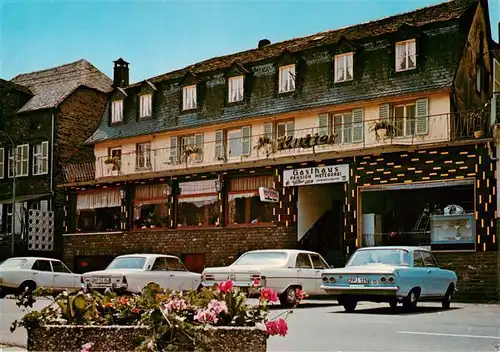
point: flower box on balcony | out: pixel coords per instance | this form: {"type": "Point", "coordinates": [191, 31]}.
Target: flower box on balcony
{"type": "Point", "coordinates": [125, 338]}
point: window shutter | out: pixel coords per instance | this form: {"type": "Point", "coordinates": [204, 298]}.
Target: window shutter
{"type": "Point", "coordinates": [324, 128]}
{"type": "Point", "coordinates": [290, 128]}
{"type": "Point", "coordinates": [198, 143]}
{"type": "Point", "coordinates": [219, 144]}
{"type": "Point", "coordinates": [357, 125]}
{"type": "Point", "coordinates": [422, 116]}
{"type": "Point", "coordinates": [384, 112]}
{"type": "Point", "coordinates": [291, 77]}
{"type": "Point", "coordinates": [246, 143]}
{"type": "Point", "coordinates": [269, 130]}
{"type": "Point", "coordinates": [45, 157]}
{"type": "Point", "coordinates": [174, 150]}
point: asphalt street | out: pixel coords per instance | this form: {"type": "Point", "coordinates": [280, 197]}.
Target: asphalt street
{"type": "Point", "coordinates": [324, 326]}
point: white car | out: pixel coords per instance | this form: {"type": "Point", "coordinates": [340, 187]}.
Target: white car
{"type": "Point", "coordinates": [131, 273]}
{"type": "Point", "coordinates": [19, 274]}
{"type": "Point", "coordinates": [283, 270]}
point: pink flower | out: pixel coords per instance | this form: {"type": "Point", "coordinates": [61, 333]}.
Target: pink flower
{"type": "Point", "coordinates": [225, 287]}
{"type": "Point", "coordinates": [217, 307]}
{"type": "Point", "coordinates": [300, 295]}
{"type": "Point", "coordinates": [268, 294]}
{"type": "Point", "coordinates": [256, 282]}
{"type": "Point", "coordinates": [277, 327]}
{"type": "Point", "coordinates": [123, 300]}
{"type": "Point", "coordinates": [175, 305]}
{"type": "Point", "coordinates": [87, 347]}
{"type": "Point", "coordinates": [206, 316]}
{"type": "Point", "coordinates": [135, 310]}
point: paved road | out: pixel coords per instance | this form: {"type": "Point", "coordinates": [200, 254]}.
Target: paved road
{"type": "Point", "coordinates": [323, 326]}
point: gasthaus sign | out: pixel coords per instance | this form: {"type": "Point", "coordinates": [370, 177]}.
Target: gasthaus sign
{"type": "Point", "coordinates": [316, 175]}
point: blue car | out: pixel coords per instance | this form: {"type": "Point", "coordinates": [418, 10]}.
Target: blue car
{"type": "Point", "coordinates": [394, 275]}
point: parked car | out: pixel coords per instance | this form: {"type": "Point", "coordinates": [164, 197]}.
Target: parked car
{"type": "Point", "coordinates": [390, 274]}
{"type": "Point", "coordinates": [283, 270]}
{"type": "Point", "coordinates": [131, 273]}
{"type": "Point", "coordinates": [27, 273]}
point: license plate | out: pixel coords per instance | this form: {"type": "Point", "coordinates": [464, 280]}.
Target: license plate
{"type": "Point", "coordinates": [358, 280]}
{"type": "Point", "coordinates": [102, 280]}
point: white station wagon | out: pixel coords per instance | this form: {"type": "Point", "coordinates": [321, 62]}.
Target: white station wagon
{"type": "Point", "coordinates": [283, 270]}
{"type": "Point", "coordinates": [132, 272]}
{"type": "Point", "coordinates": [19, 274]}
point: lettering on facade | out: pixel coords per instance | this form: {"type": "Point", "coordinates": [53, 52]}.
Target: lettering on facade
{"type": "Point", "coordinates": [316, 175]}
{"type": "Point", "coordinates": [290, 142]}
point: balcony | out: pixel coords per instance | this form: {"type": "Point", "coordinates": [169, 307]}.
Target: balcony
{"type": "Point", "coordinates": [346, 139]}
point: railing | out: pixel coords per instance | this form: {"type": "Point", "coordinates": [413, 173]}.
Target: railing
{"type": "Point", "coordinates": [303, 141]}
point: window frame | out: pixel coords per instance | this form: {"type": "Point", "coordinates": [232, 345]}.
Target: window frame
{"type": "Point", "coordinates": [145, 157]}
{"type": "Point", "coordinates": [211, 193]}
{"type": "Point", "coordinates": [145, 110]}
{"type": "Point", "coordinates": [19, 161]}
{"type": "Point", "coordinates": [287, 124]}
{"type": "Point", "coordinates": [189, 94]}
{"type": "Point", "coordinates": [345, 67]}
{"type": "Point", "coordinates": [405, 118]}
{"type": "Point", "coordinates": [231, 87]}
{"type": "Point", "coordinates": [38, 159]}
{"type": "Point", "coordinates": [116, 114]}
{"type": "Point", "coordinates": [285, 75]}
{"type": "Point", "coordinates": [343, 129]}
{"type": "Point", "coordinates": [406, 44]}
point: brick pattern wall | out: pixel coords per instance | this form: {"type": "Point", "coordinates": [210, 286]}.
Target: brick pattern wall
{"type": "Point", "coordinates": [220, 245]}
{"type": "Point", "coordinates": [478, 275]}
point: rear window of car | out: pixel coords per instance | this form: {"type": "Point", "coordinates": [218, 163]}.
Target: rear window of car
{"type": "Point", "coordinates": [262, 258]}
{"type": "Point", "coordinates": [13, 263]}
{"type": "Point", "coordinates": [127, 263]}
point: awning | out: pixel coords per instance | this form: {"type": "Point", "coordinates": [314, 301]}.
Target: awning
{"type": "Point", "coordinates": [22, 199]}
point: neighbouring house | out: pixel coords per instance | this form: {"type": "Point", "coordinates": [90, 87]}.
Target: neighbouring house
{"type": "Point", "coordinates": [45, 117]}
{"type": "Point", "coordinates": [373, 134]}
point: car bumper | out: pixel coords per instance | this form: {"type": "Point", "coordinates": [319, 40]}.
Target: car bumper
{"type": "Point", "coordinates": [246, 287]}
{"type": "Point", "coordinates": [356, 290]}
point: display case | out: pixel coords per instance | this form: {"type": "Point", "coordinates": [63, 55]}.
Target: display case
{"type": "Point", "coordinates": [452, 229]}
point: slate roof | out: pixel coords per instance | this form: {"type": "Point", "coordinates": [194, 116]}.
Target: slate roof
{"type": "Point", "coordinates": [432, 14]}
{"type": "Point", "coordinates": [370, 85]}
{"type": "Point", "coordinates": [51, 86]}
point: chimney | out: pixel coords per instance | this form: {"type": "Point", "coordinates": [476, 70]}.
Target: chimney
{"type": "Point", "coordinates": [120, 74]}
{"type": "Point", "coordinates": [264, 42]}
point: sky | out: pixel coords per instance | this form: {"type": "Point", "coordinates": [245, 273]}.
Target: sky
{"type": "Point", "coordinates": [159, 36]}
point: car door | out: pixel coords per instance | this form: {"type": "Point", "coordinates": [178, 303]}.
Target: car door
{"type": "Point", "coordinates": [419, 275]}
{"type": "Point", "coordinates": [434, 274]}
{"type": "Point", "coordinates": [42, 273]}
{"type": "Point", "coordinates": [180, 278]}
{"type": "Point", "coordinates": [63, 277]}
{"type": "Point", "coordinates": [157, 274]}
{"type": "Point", "coordinates": [306, 275]}
{"type": "Point", "coordinates": [319, 265]}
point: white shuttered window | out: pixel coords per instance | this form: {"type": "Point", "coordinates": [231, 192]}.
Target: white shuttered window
{"type": "Point", "coordinates": [235, 89]}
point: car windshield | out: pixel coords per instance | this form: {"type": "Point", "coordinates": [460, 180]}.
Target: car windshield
{"type": "Point", "coordinates": [127, 263]}
{"type": "Point", "coordinates": [13, 263]}
{"type": "Point", "coordinates": [262, 258]}
{"type": "Point", "coordinates": [380, 256]}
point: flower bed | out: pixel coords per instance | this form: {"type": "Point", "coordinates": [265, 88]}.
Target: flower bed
{"type": "Point", "coordinates": [215, 319]}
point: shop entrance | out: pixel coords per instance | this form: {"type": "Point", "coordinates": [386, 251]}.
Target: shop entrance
{"type": "Point", "coordinates": [320, 220]}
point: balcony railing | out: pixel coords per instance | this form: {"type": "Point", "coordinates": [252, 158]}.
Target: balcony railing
{"type": "Point", "coordinates": [303, 141]}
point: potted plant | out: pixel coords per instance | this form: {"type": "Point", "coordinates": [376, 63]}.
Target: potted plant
{"type": "Point", "coordinates": [267, 143]}
{"type": "Point", "coordinates": [383, 129]}
{"type": "Point", "coordinates": [212, 319]}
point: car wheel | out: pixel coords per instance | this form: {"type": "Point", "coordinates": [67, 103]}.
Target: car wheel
{"type": "Point", "coordinates": [288, 298]}
{"type": "Point", "coordinates": [410, 301]}
{"type": "Point", "coordinates": [393, 304]}
{"type": "Point", "coordinates": [2, 293]}
{"type": "Point", "coordinates": [446, 302]}
{"type": "Point", "coordinates": [349, 305]}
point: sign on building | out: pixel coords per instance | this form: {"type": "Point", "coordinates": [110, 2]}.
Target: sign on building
{"type": "Point", "coordinates": [268, 195]}
{"type": "Point", "coordinates": [316, 175]}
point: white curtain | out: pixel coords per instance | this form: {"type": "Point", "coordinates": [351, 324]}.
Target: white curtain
{"type": "Point", "coordinates": [106, 198]}
{"type": "Point", "coordinates": [199, 201]}
{"type": "Point", "coordinates": [197, 187]}
{"type": "Point", "coordinates": [233, 196]}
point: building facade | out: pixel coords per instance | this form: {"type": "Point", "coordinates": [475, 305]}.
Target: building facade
{"type": "Point", "coordinates": [45, 118]}
{"type": "Point", "coordinates": [373, 134]}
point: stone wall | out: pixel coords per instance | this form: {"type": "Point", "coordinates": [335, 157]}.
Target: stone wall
{"type": "Point", "coordinates": [221, 246]}
{"type": "Point", "coordinates": [478, 275]}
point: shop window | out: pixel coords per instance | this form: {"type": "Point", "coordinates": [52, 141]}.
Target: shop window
{"type": "Point", "coordinates": [437, 215]}
{"type": "Point", "coordinates": [98, 210]}
{"type": "Point", "coordinates": [151, 206]}
{"type": "Point", "coordinates": [197, 204]}
{"type": "Point", "coordinates": [244, 204]}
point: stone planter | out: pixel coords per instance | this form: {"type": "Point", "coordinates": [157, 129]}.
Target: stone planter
{"type": "Point", "coordinates": [125, 338]}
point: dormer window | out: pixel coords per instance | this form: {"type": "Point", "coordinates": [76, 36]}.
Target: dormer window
{"type": "Point", "coordinates": [117, 111]}
{"type": "Point", "coordinates": [235, 89]}
{"type": "Point", "coordinates": [287, 78]}
{"type": "Point", "coordinates": [406, 55]}
{"type": "Point", "coordinates": [344, 67]}
{"type": "Point", "coordinates": [189, 97]}
{"type": "Point", "coordinates": [145, 105]}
